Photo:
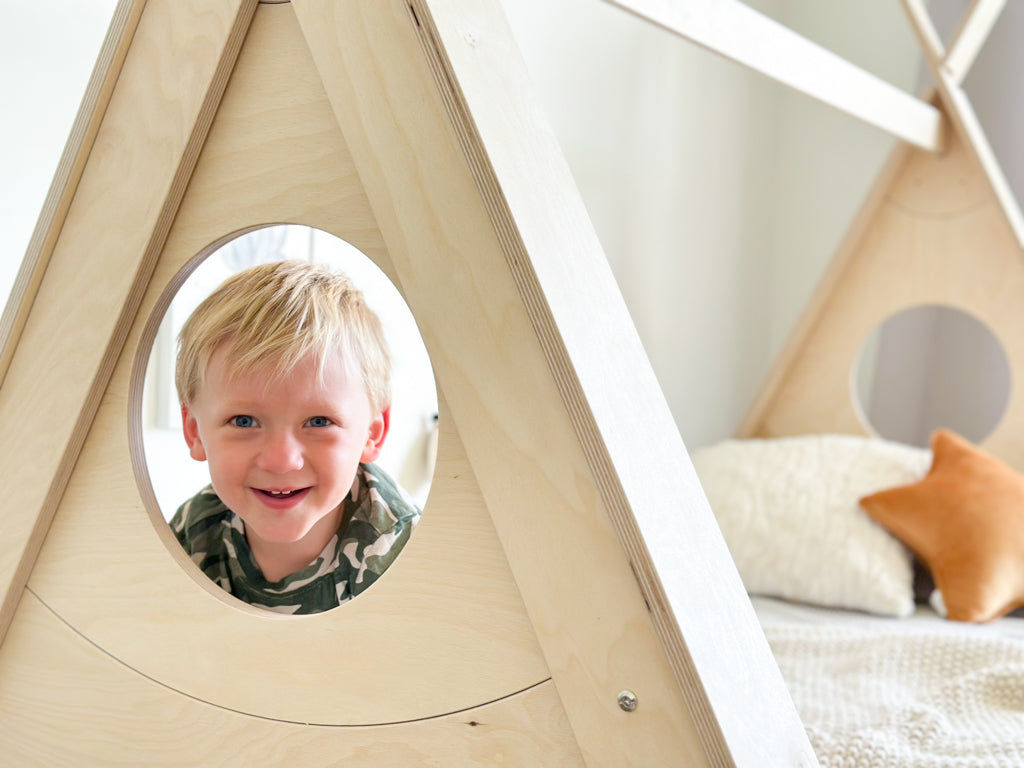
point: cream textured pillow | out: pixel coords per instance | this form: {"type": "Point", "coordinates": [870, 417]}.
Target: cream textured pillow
{"type": "Point", "coordinates": [788, 509]}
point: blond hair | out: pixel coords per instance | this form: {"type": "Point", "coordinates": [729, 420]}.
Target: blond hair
{"type": "Point", "coordinates": [271, 316]}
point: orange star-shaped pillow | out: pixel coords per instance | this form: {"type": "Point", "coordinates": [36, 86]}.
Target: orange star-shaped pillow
{"type": "Point", "coordinates": [965, 520]}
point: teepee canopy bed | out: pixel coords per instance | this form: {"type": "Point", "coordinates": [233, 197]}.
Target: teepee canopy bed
{"type": "Point", "coordinates": [887, 573]}
{"type": "Point", "coordinates": [626, 634]}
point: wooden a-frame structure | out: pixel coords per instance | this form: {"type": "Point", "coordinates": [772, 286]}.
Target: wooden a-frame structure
{"type": "Point", "coordinates": [542, 581]}
{"type": "Point", "coordinates": [939, 227]}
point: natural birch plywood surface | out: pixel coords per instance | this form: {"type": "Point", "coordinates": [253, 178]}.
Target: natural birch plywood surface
{"type": "Point", "coordinates": [87, 709]}
{"type": "Point", "coordinates": [936, 235]}
{"type": "Point", "coordinates": [543, 570]}
{"type": "Point", "coordinates": [152, 129]}
{"type": "Point", "coordinates": [977, 22]}
{"type": "Point", "coordinates": [69, 170]}
{"type": "Point", "coordinates": [459, 230]}
{"type": "Point", "coordinates": [443, 631]}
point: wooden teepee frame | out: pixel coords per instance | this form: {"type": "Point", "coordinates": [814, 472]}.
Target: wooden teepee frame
{"type": "Point", "coordinates": [938, 228]}
{"type": "Point", "coordinates": [543, 591]}
{"type": "Point", "coordinates": [941, 225]}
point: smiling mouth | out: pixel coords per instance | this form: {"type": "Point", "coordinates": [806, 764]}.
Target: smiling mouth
{"type": "Point", "coordinates": [273, 494]}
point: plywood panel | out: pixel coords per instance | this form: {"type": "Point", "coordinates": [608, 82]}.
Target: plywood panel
{"type": "Point", "coordinates": [154, 125]}
{"type": "Point", "coordinates": [69, 171]}
{"type": "Point", "coordinates": [64, 702]}
{"type": "Point", "coordinates": [937, 234]}
{"type": "Point", "coordinates": [529, 332]}
{"type": "Point", "coordinates": [543, 569]}
{"type": "Point", "coordinates": [444, 629]}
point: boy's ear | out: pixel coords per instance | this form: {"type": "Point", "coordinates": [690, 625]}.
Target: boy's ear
{"type": "Point", "coordinates": [375, 438]}
{"type": "Point", "coordinates": [190, 427]}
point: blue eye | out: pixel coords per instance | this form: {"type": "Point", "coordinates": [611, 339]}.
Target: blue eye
{"type": "Point", "coordinates": [243, 421]}
{"type": "Point", "coordinates": [319, 421]}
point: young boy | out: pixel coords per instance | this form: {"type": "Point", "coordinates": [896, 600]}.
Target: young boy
{"type": "Point", "coordinates": [283, 375]}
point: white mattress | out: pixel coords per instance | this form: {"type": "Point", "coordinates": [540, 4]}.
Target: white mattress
{"type": "Point", "coordinates": [772, 611]}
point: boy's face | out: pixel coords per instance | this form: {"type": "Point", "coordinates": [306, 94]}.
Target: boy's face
{"type": "Point", "coordinates": [283, 452]}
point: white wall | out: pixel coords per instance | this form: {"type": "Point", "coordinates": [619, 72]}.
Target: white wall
{"type": "Point", "coordinates": [47, 51]}
{"type": "Point", "coordinates": [719, 196]}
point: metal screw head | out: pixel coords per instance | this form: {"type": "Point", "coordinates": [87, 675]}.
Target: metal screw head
{"type": "Point", "coordinates": [627, 701]}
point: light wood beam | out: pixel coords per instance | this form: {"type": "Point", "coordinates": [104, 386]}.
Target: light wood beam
{"type": "Point", "coordinates": [741, 34]}
{"type": "Point", "coordinates": [125, 201]}
{"type": "Point", "coordinates": [65, 180]}
{"type": "Point", "coordinates": [971, 36]}
{"type": "Point", "coordinates": [550, 393]}
{"type": "Point", "coordinates": [959, 108]}
{"type": "Point", "coordinates": [927, 36]}
{"type": "Point", "coordinates": [965, 120]}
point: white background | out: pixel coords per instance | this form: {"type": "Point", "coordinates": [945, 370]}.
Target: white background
{"type": "Point", "coordinates": [719, 196]}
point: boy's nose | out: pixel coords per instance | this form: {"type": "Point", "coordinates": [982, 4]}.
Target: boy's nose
{"type": "Point", "coordinates": [281, 453]}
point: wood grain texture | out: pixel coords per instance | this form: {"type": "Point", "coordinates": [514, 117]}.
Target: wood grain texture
{"type": "Point", "coordinates": [936, 234]}
{"type": "Point", "coordinates": [124, 204]}
{"type": "Point", "coordinates": [579, 317]}
{"type": "Point", "coordinates": [65, 181]}
{"type": "Point", "coordinates": [444, 630]}
{"type": "Point", "coordinates": [752, 424]}
{"type": "Point", "coordinates": [544, 374]}
{"type": "Point", "coordinates": [958, 107]}
{"type": "Point", "coordinates": [64, 702]}
{"type": "Point", "coordinates": [741, 34]}
{"type": "Point", "coordinates": [944, 229]}
{"type": "Point", "coordinates": [543, 578]}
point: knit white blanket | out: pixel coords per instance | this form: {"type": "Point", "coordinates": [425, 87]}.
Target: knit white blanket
{"type": "Point", "coordinates": [905, 699]}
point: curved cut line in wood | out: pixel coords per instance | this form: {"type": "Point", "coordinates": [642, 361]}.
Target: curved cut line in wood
{"type": "Point", "coordinates": [595, 415]}
{"type": "Point", "coordinates": [943, 215]}
{"type": "Point", "coordinates": [257, 716]}
{"type": "Point", "coordinates": [535, 355]}
{"type": "Point", "coordinates": [741, 34]}
{"type": "Point", "coordinates": [891, 259]}
{"type": "Point", "coordinates": [976, 23]}
{"type": "Point", "coordinates": [569, 386]}
{"type": "Point", "coordinates": [159, 622]}
{"type": "Point", "coordinates": [136, 450]}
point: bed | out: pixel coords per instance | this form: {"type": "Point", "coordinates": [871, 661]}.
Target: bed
{"type": "Point", "coordinates": [879, 672]}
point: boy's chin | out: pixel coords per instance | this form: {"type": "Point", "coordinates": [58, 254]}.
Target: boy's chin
{"type": "Point", "coordinates": [295, 530]}
{"type": "Point", "coordinates": [283, 535]}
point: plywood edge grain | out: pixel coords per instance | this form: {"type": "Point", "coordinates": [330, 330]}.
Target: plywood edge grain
{"type": "Point", "coordinates": [586, 334]}
{"type": "Point", "coordinates": [71, 401]}
{"type": "Point", "coordinates": [66, 701]}
{"type": "Point", "coordinates": [65, 180]}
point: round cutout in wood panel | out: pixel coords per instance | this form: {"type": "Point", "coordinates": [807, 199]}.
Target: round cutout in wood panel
{"type": "Point", "coordinates": [931, 366]}
{"type": "Point", "coordinates": [172, 474]}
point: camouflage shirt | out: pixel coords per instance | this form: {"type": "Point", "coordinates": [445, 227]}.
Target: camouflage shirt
{"type": "Point", "coordinates": [376, 524]}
